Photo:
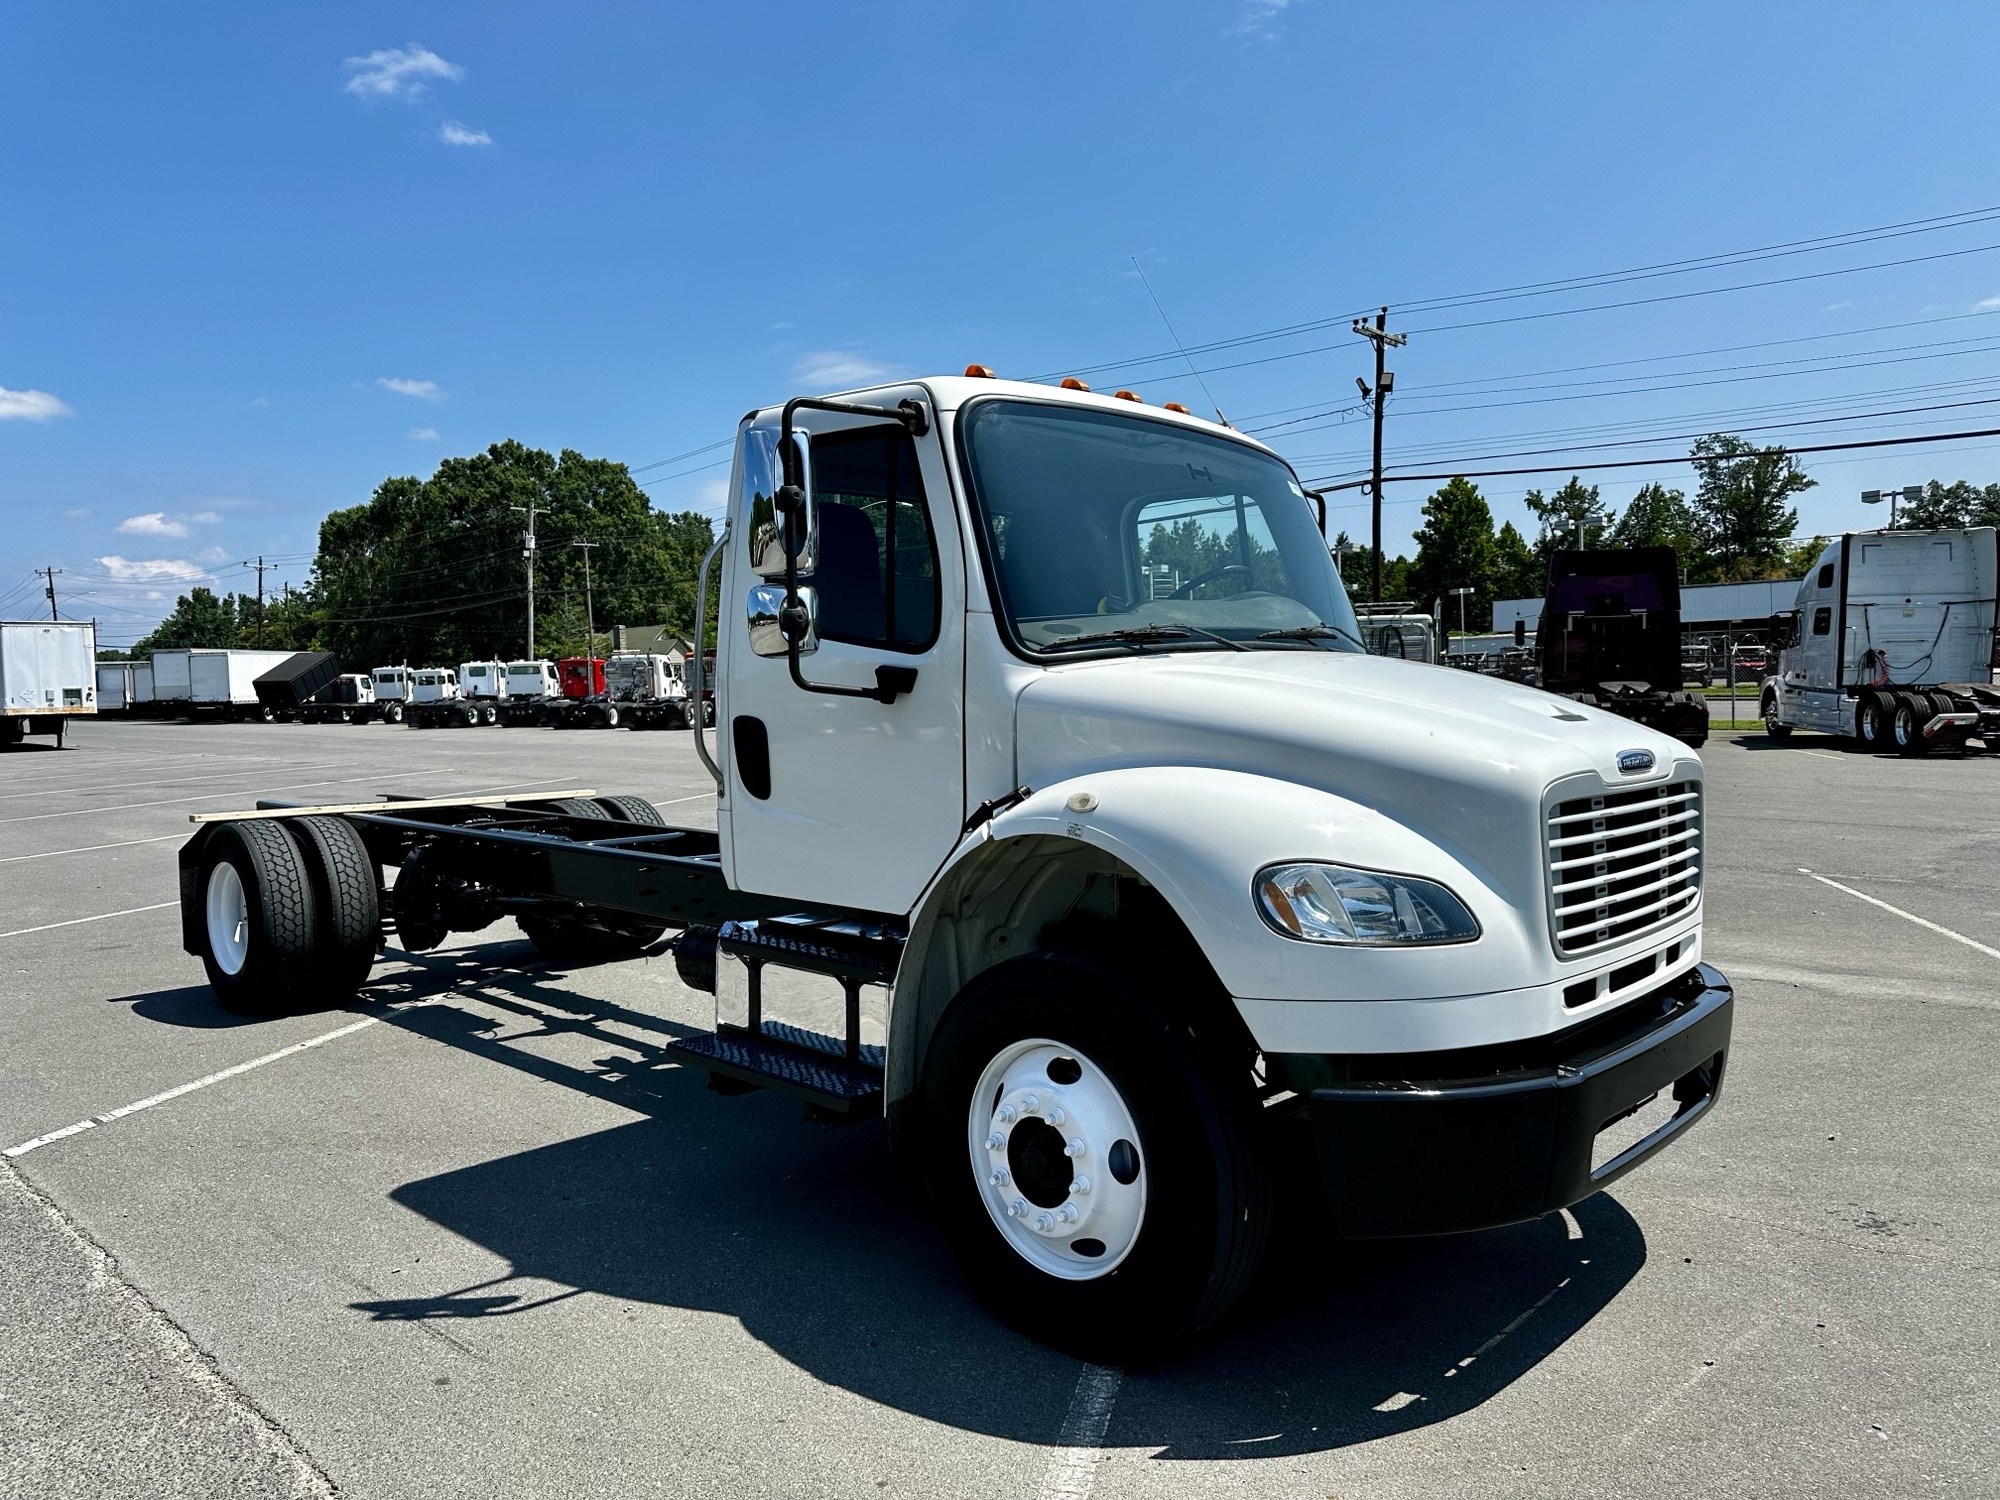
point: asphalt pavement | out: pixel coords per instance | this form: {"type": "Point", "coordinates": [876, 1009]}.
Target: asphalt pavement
{"type": "Point", "coordinates": [473, 1236]}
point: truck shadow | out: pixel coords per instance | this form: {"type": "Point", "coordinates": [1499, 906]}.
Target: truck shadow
{"type": "Point", "coordinates": [812, 1238]}
{"type": "Point", "coordinates": [817, 1243]}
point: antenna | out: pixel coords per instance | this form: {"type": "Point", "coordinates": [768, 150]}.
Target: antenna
{"type": "Point", "coordinates": [1177, 340]}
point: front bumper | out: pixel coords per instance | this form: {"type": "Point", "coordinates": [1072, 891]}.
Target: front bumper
{"type": "Point", "coordinates": [1514, 1140]}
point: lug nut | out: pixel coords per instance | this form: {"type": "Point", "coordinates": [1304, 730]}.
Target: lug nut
{"type": "Point", "coordinates": [1056, 1116]}
{"type": "Point", "coordinates": [1079, 1185]}
{"type": "Point", "coordinates": [1075, 1147]}
{"type": "Point", "coordinates": [1030, 1103]}
{"type": "Point", "coordinates": [996, 1141]}
{"type": "Point", "coordinates": [1017, 1209]}
{"type": "Point", "coordinates": [1045, 1222]}
{"type": "Point", "coordinates": [998, 1177]}
{"type": "Point", "coordinates": [1068, 1213]}
{"type": "Point", "coordinates": [1006, 1114]}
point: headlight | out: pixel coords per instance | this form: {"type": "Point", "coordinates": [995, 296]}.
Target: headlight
{"type": "Point", "coordinates": [1332, 904]}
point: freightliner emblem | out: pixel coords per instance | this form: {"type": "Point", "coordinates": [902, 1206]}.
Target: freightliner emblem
{"type": "Point", "coordinates": [1632, 762]}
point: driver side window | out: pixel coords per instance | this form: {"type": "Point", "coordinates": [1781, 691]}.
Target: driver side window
{"type": "Point", "coordinates": [877, 571]}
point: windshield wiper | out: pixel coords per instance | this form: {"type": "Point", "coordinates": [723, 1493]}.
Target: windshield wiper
{"type": "Point", "coordinates": [1139, 636]}
{"type": "Point", "coordinates": [1313, 633]}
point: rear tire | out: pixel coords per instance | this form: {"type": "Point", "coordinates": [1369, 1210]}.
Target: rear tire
{"type": "Point", "coordinates": [610, 716]}
{"type": "Point", "coordinates": [260, 922]}
{"type": "Point", "coordinates": [1178, 1254]}
{"type": "Point", "coordinates": [1873, 717]}
{"type": "Point", "coordinates": [393, 714]}
{"type": "Point", "coordinates": [1913, 711]}
{"type": "Point", "coordinates": [348, 902]}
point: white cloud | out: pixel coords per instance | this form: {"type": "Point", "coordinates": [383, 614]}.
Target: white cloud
{"type": "Point", "coordinates": [1986, 304]}
{"type": "Point", "coordinates": [203, 518]}
{"type": "Point", "coordinates": [170, 569]}
{"type": "Point", "coordinates": [153, 523]}
{"type": "Point", "coordinates": [212, 555]}
{"type": "Point", "coordinates": [454, 134]}
{"type": "Point", "coordinates": [397, 72]}
{"type": "Point", "coordinates": [422, 434]}
{"type": "Point", "coordinates": [1260, 19]}
{"type": "Point", "coordinates": [837, 368]}
{"type": "Point", "coordinates": [31, 406]}
{"type": "Point", "coordinates": [426, 390]}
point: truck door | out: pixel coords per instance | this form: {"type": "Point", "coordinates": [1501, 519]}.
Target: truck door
{"type": "Point", "coordinates": [846, 800]}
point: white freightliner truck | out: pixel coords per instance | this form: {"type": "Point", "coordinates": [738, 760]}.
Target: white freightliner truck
{"type": "Point", "coordinates": [484, 684]}
{"type": "Point", "coordinates": [437, 702]}
{"type": "Point", "coordinates": [648, 689]}
{"type": "Point", "coordinates": [1893, 643]}
{"type": "Point", "coordinates": [391, 695]}
{"type": "Point", "coordinates": [1098, 897]}
{"type": "Point", "coordinates": [532, 687]}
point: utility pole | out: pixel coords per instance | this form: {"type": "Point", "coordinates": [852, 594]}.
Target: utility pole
{"type": "Point", "coordinates": [1385, 382]}
{"type": "Point", "coordinates": [50, 573]}
{"type": "Point", "coordinates": [259, 566]}
{"type": "Point", "coordinates": [528, 557]}
{"type": "Point", "coordinates": [589, 619]}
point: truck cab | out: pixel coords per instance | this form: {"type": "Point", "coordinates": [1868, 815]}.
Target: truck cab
{"type": "Point", "coordinates": [1112, 900]}
{"type": "Point", "coordinates": [434, 685]}
{"type": "Point", "coordinates": [1892, 642]}
{"type": "Point", "coordinates": [483, 679]}
{"type": "Point", "coordinates": [532, 679]}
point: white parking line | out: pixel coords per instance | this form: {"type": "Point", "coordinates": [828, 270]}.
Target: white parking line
{"type": "Point", "coordinates": [103, 916]}
{"type": "Point", "coordinates": [14, 859]}
{"type": "Point", "coordinates": [1956, 937]}
{"type": "Point", "coordinates": [1072, 1471]}
{"type": "Point", "coordinates": [1823, 755]}
{"type": "Point", "coordinates": [187, 1088]}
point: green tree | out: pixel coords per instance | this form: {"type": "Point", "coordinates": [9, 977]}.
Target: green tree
{"type": "Point", "coordinates": [431, 570]}
{"type": "Point", "coordinates": [1515, 572]}
{"type": "Point", "coordinates": [1570, 518]}
{"type": "Point", "coordinates": [1659, 517]}
{"type": "Point", "coordinates": [1952, 507]}
{"type": "Point", "coordinates": [200, 619]}
{"type": "Point", "coordinates": [1456, 549]}
{"type": "Point", "coordinates": [1743, 523]}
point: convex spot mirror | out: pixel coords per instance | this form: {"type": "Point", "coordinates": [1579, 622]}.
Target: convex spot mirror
{"type": "Point", "coordinates": [775, 536]}
{"type": "Point", "coordinates": [767, 634]}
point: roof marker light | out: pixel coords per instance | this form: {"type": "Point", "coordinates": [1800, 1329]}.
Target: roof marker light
{"type": "Point", "coordinates": [1129, 396]}
{"type": "Point", "coordinates": [1176, 406]}
{"type": "Point", "coordinates": [981, 372]}
{"type": "Point", "coordinates": [1071, 383]}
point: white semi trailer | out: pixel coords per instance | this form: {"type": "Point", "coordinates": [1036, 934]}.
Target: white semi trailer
{"type": "Point", "coordinates": [170, 680]}
{"type": "Point", "coordinates": [1101, 898]}
{"type": "Point", "coordinates": [1893, 643]}
{"type": "Point", "coordinates": [114, 687]}
{"type": "Point", "coordinates": [48, 676]}
{"type": "Point", "coordinates": [222, 683]}
{"type": "Point", "coordinates": [142, 700]}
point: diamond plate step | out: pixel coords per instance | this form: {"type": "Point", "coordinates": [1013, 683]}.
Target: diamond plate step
{"type": "Point", "coordinates": [788, 1060]}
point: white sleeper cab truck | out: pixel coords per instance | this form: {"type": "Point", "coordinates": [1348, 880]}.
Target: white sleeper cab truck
{"type": "Point", "coordinates": [48, 676]}
{"type": "Point", "coordinates": [1110, 899]}
{"type": "Point", "coordinates": [1893, 643]}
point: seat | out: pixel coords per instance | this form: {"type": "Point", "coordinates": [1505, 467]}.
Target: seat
{"type": "Point", "coordinates": [848, 576]}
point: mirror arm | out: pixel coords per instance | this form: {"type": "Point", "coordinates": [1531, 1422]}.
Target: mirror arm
{"type": "Point", "coordinates": [793, 618]}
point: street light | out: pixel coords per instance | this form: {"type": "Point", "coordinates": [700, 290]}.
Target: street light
{"type": "Point", "coordinates": [1461, 606]}
{"type": "Point", "coordinates": [1340, 551]}
{"type": "Point", "coordinates": [1909, 494]}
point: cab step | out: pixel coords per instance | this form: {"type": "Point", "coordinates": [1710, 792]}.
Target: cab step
{"type": "Point", "coordinates": [789, 1060]}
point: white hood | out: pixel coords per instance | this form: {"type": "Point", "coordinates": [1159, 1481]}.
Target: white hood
{"type": "Point", "coordinates": [1462, 759]}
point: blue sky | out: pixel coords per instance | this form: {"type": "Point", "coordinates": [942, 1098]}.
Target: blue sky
{"type": "Point", "coordinates": [255, 258]}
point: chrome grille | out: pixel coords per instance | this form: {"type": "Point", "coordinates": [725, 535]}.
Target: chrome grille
{"type": "Point", "coordinates": [1622, 863]}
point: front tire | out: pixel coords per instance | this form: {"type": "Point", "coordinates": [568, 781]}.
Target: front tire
{"type": "Point", "coordinates": [1774, 727]}
{"type": "Point", "coordinates": [1164, 1216]}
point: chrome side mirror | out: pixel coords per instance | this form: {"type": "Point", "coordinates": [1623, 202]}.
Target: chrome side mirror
{"type": "Point", "coordinates": [767, 636]}
{"type": "Point", "coordinates": [772, 535]}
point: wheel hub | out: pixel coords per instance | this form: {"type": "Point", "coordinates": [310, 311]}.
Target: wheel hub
{"type": "Point", "coordinates": [1056, 1154]}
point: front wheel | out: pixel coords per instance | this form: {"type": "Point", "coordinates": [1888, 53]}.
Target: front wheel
{"type": "Point", "coordinates": [1774, 727]}
{"type": "Point", "coordinates": [1097, 1167]}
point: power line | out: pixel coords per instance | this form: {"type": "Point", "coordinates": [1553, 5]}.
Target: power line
{"type": "Point", "coordinates": [1643, 463]}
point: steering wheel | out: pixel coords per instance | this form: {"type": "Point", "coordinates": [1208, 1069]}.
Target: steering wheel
{"type": "Point", "coordinates": [1209, 577]}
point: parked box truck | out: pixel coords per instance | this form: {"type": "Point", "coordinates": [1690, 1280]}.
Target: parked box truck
{"type": "Point", "coordinates": [114, 687]}
{"type": "Point", "coordinates": [142, 700]}
{"type": "Point", "coordinates": [48, 676]}
{"type": "Point", "coordinates": [170, 680]}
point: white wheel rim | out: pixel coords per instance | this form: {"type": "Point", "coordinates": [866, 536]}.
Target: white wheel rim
{"type": "Point", "coordinates": [1027, 1114]}
{"type": "Point", "coordinates": [228, 919]}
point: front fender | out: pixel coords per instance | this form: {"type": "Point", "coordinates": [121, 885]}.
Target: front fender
{"type": "Point", "coordinates": [1199, 835]}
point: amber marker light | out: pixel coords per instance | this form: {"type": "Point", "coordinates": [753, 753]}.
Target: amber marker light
{"type": "Point", "coordinates": [1129, 396]}
{"type": "Point", "coordinates": [1071, 383]}
{"type": "Point", "coordinates": [979, 372]}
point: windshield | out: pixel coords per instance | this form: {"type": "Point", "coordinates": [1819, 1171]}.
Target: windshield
{"type": "Point", "coordinates": [1102, 528]}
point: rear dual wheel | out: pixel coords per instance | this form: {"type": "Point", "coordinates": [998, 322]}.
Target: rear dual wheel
{"type": "Point", "coordinates": [291, 914]}
{"type": "Point", "coordinates": [1912, 711]}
